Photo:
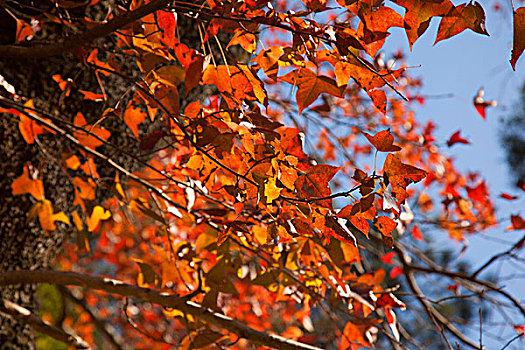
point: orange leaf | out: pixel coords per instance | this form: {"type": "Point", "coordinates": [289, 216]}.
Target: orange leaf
{"type": "Point", "coordinates": [455, 138]}
{"type": "Point", "coordinates": [385, 225]}
{"type": "Point", "coordinates": [150, 140]}
{"type": "Point", "coordinates": [29, 128]}
{"type": "Point", "coordinates": [195, 70]}
{"type": "Point", "coordinates": [133, 117]}
{"type": "Point", "coordinates": [381, 19]}
{"type": "Point", "coordinates": [90, 168]}
{"type": "Point", "coordinates": [269, 61]}
{"type": "Point", "coordinates": [86, 139]}
{"type": "Point", "coordinates": [359, 215]}
{"type": "Point", "coordinates": [464, 208]}
{"type": "Point", "coordinates": [389, 299]}
{"type": "Point", "coordinates": [480, 104]}
{"type": "Point", "coordinates": [230, 81]}
{"type": "Point", "coordinates": [387, 258]}
{"type": "Point", "coordinates": [464, 16]}
{"type": "Point", "coordinates": [521, 184]}
{"type": "Point", "coordinates": [352, 336]}
{"type": "Point", "coordinates": [508, 197]}
{"type": "Point", "coordinates": [72, 162]}
{"type": "Point", "coordinates": [99, 214]}
{"type": "Point", "coordinates": [25, 184]}
{"type": "Point", "coordinates": [374, 26]}
{"type": "Point", "coordinates": [315, 183]}
{"type": "Point", "coordinates": [88, 95]}
{"type": "Point", "coordinates": [168, 24]}
{"type": "Point", "coordinates": [401, 175]}
{"type": "Point", "coordinates": [63, 84]}
{"type": "Point", "coordinates": [396, 271]}
{"type": "Point", "coordinates": [378, 99]}
{"type": "Point", "coordinates": [366, 78]}
{"type": "Point", "coordinates": [383, 141]}
{"type": "Point", "coordinates": [246, 40]}
{"type": "Point", "coordinates": [310, 86]}
{"type": "Point", "coordinates": [519, 36]}
{"type": "Point", "coordinates": [418, 14]}
{"type": "Point", "coordinates": [93, 59]}
{"type": "Point", "coordinates": [23, 30]}
{"type": "Point", "coordinates": [258, 87]}
{"type": "Point", "coordinates": [287, 176]}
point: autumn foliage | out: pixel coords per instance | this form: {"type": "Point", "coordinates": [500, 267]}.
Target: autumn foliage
{"type": "Point", "coordinates": [268, 179]}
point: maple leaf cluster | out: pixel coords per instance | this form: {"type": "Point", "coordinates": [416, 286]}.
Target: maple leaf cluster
{"type": "Point", "coordinates": [231, 209]}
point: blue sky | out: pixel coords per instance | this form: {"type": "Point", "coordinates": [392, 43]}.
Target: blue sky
{"type": "Point", "coordinates": [460, 66]}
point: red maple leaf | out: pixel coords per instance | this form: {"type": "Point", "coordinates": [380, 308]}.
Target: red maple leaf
{"type": "Point", "coordinates": [455, 138]}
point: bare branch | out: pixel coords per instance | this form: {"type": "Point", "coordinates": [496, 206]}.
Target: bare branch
{"type": "Point", "coordinates": [465, 277]}
{"type": "Point", "coordinates": [431, 311]}
{"type": "Point", "coordinates": [155, 297]}
{"type": "Point", "coordinates": [517, 245]}
{"type": "Point", "coordinates": [26, 316]}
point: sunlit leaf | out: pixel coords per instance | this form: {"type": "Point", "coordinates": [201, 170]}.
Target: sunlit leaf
{"type": "Point", "coordinates": [383, 141]}
{"type": "Point", "coordinates": [401, 175]}
{"type": "Point", "coordinates": [419, 13]}
{"type": "Point", "coordinates": [97, 215]}
{"type": "Point", "coordinates": [465, 16]}
{"type": "Point", "coordinates": [26, 184]}
{"type": "Point", "coordinates": [310, 85]}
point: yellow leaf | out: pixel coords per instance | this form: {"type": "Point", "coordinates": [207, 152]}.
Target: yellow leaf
{"type": "Point", "coordinates": [60, 216]}
{"type": "Point", "coordinates": [118, 187]}
{"type": "Point", "coordinates": [47, 219]}
{"type": "Point", "coordinates": [78, 221]}
{"type": "Point", "coordinates": [271, 191]}
{"type": "Point", "coordinates": [173, 312]}
{"type": "Point", "coordinates": [99, 214]}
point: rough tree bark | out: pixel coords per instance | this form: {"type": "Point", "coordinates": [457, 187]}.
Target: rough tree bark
{"type": "Point", "coordinates": [23, 244]}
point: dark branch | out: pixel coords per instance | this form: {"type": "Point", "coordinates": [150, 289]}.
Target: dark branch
{"type": "Point", "coordinates": [76, 41]}
{"type": "Point", "coordinates": [155, 297]}
{"type": "Point", "coordinates": [24, 315]}
{"type": "Point", "coordinates": [434, 314]}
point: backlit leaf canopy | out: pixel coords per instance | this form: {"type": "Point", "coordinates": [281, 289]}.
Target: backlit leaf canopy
{"type": "Point", "coordinates": [249, 174]}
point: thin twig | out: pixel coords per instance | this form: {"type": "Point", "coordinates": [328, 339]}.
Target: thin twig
{"type": "Point", "coordinates": [434, 315]}
{"type": "Point", "coordinates": [512, 340]}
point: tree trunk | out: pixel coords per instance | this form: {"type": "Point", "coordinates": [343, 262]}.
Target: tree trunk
{"type": "Point", "coordinates": [23, 244]}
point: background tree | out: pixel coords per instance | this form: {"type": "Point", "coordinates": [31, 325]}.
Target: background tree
{"type": "Point", "coordinates": [190, 179]}
{"type": "Point", "coordinates": [513, 140]}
